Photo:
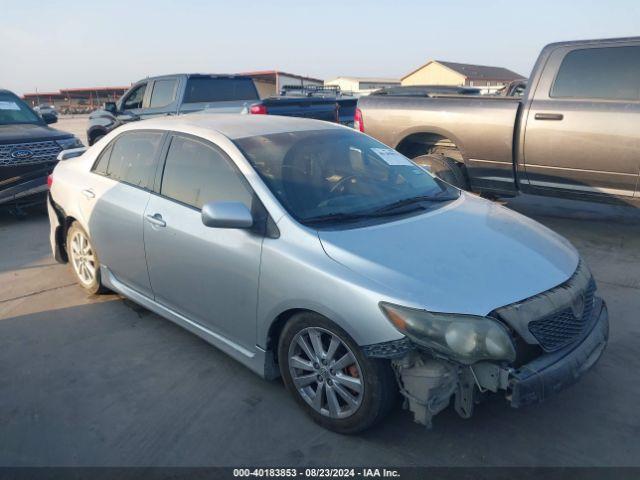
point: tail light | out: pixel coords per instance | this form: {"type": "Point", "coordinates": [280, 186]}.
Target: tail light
{"type": "Point", "coordinates": [358, 122]}
{"type": "Point", "coordinates": [50, 181]}
{"type": "Point", "coordinates": [258, 109]}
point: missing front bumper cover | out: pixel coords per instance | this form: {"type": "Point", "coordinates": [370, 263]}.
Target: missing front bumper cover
{"type": "Point", "coordinates": [428, 383]}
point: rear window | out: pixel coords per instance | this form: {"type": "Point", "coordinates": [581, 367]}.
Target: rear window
{"type": "Point", "coordinates": [611, 73]}
{"type": "Point", "coordinates": [130, 158]}
{"type": "Point", "coordinates": [206, 89]}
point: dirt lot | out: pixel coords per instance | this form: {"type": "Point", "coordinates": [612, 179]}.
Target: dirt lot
{"type": "Point", "coordinates": [76, 124]}
{"type": "Point", "coordinates": [100, 381]}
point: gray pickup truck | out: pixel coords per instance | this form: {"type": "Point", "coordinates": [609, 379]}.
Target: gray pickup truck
{"type": "Point", "coordinates": [575, 132]}
{"type": "Point", "coordinates": [172, 95]}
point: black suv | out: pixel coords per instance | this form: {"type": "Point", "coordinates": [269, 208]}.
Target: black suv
{"type": "Point", "coordinates": [28, 152]}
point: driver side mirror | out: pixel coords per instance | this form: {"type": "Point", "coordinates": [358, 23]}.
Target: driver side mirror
{"type": "Point", "coordinates": [110, 107]}
{"type": "Point", "coordinates": [226, 215]}
{"type": "Point", "coordinates": [49, 118]}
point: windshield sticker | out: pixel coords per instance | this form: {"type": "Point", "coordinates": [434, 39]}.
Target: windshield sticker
{"type": "Point", "coordinates": [9, 106]}
{"type": "Point", "coordinates": [391, 157]}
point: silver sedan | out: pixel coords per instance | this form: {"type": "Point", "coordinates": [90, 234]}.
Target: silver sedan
{"type": "Point", "coordinates": [311, 251]}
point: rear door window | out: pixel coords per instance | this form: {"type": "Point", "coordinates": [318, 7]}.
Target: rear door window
{"type": "Point", "coordinates": [163, 93]}
{"type": "Point", "coordinates": [102, 163]}
{"type": "Point", "coordinates": [131, 158]}
{"type": "Point", "coordinates": [207, 89]}
{"type": "Point", "coordinates": [196, 173]}
{"type": "Point", "coordinates": [611, 73]}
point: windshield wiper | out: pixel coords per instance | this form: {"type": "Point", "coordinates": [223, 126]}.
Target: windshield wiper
{"type": "Point", "coordinates": [338, 216]}
{"type": "Point", "coordinates": [413, 200]}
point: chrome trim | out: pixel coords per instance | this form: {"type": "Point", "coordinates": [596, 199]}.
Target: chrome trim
{"type": "Point", "coordinates": [583, 188]}
{"type": "Point", "coordinates": [43, 152]}
{"type": "Point", "coordinates": [530, 165]}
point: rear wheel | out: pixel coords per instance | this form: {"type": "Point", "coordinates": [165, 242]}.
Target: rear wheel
{"type": "Point", "coordinates": [444, 168]}
{"type": "Point", "coordinates": [330, 378]}
{"type": "Point", "coordinates": [84, 260]}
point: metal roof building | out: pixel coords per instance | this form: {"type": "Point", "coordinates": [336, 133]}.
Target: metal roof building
{"type": "Point", "coordinates": [270, 82]}
{"type": "Point", "coordinates": [91, 97]}
{"type": "Point", "coordinates": [438, 72]}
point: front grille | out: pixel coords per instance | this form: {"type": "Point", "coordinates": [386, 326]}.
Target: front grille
{"type": "Point", "coordinates": [43, 152]}
{"type": "Point", "coordinates": [563, 327]}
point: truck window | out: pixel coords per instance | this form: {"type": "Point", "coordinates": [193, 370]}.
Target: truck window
{"type": "Point", "coordinates": [206, 89]}
{"type": "Point", "coordinates": [163, 93]}
{"type": "Point", "coordinates": [134, 99]}
{"type": "Point", "coordinates": [600, 73]}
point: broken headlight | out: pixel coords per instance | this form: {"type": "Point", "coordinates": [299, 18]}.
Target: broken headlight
{"type": "Point", "coordinates": [464, 338]}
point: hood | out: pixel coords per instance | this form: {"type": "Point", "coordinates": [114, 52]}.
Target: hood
{"type": "Point", "coordinates": [470, 256]}
{"type": "Point", "coordinates": [29, 132]}
{"type": "Point", "coordinates": [99, 113]}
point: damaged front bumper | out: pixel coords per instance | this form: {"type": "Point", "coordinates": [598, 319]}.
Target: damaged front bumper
{"type": "Point", "coordinates": [428, 382]}
{"type": "Point", "coordinates": [552, 372]}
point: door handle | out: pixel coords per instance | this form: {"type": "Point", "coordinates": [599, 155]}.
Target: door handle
{"type": "Point", "coordinates": [156, 220]}
{"type": "Point", "coordinates": [549, 116]}
{"type": "Point", "coordinates": [88, 193]}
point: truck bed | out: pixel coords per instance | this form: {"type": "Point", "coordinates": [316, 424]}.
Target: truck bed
{"type": "Point", "coordinates": [483, 124]}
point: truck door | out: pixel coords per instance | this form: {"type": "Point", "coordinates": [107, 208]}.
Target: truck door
{"type": "Point", "coordinates": [583, 125]}
{"type": "Point", "coordinates": [162, 97]}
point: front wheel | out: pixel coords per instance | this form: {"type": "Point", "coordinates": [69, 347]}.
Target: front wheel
{"type": "Point", "coordinates": [84, 260]}
{"type": "Point", "coordinates": [326, 372]}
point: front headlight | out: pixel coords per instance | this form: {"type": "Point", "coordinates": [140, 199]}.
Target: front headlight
{"type": "Point", "coordinates": [67, 143]}
{"type": "Point", "coordinates": [465, 338]}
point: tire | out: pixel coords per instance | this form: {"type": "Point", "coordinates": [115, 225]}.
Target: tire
{"type": "Point", "coordinates": [95, 139]}
{"type": "Point", "coordinates": [444, 168]}
{"type": "Point", "coordinates": [378, 390]}
{"type": "Point", "coordinates": [83, 260]}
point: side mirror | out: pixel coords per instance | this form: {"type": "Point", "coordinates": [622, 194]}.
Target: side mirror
{"type": "Point", "coordinates": [110, 107]}
{"type": "Point", "coordinates": [49, 118]}
{"type": "Point", "coordinates": [71, 153]}
{"type": "Point", "coordinates": [126, 117]}
{"type": "Point", "coordinates": [226, 215]}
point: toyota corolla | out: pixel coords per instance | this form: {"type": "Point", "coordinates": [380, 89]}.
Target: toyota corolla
{"type": "Point", "coordinates": [311, 251]}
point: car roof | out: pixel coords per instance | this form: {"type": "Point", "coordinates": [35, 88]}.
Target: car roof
{"type": "Point", "coordinates": [233, 125]}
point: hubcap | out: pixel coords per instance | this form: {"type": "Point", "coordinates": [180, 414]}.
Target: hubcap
{"type": "Point", "coordinates": [326, 373]}
{"type": "Point", "coordinates": [83, 258]}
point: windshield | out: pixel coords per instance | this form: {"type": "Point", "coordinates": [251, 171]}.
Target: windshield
{"type": "Point", "coordinates": [339, 174]}
{"type": "Point", "coordinates": [14, 111]}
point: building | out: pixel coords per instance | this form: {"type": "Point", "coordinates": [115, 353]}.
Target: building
{"type": "Point", "coordinates": [362, 85]}
{"type": "Point", "coordinates": [76, 98]}
{"type": "Point", "coordinates": [437, 72]}
{"type": "Point", "coordinates": [270, 82]}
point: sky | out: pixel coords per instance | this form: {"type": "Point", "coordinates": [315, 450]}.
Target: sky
{"type": "Point", "coordinates": [49, 45]}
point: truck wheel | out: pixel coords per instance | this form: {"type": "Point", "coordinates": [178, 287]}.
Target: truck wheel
{"type": "Point", "coordinates": [330, 378]}
{"type": "Point", "coordinates": [84, 260]}
{"type": "Point", "coordinates": [95, 139]}
{"type": "Point", "coordinates": [444, 168]}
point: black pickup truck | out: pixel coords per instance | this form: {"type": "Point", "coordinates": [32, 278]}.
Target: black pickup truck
{"type": "Point", "coordinates": [321, 103]}
{"type": "Point", "coordinates": [28, 152]}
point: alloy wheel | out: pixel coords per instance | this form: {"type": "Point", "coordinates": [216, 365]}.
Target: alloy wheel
{"type": "Point", "coordinates": [325, 372]}
{"type": "Point", "coordinates": [83, 258]}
